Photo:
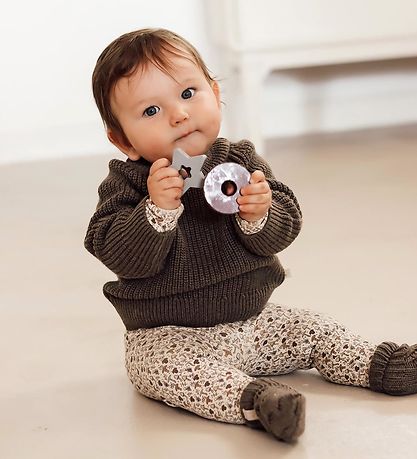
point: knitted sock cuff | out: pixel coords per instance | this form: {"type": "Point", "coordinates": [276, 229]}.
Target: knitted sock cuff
{"type": "Point", "coordinates": [379, 364]}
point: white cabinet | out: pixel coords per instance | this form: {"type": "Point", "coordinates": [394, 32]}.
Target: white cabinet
{"type": "Point", "coordinates": [255, 37]}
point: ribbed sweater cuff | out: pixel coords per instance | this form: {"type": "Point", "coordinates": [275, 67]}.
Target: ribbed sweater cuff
{"type": "Point", "coordinates": [277, 234]}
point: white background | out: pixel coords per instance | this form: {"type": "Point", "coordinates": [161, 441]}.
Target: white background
{"type": "Point", "coordinates": [48, 52]}
{"type": "Point", "coordinates": [49, 48]}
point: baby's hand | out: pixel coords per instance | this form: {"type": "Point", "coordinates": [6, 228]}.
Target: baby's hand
{"type": "Point", "coordinates": [255, 199]}
{"type": "Point", "coordinates": [165, 185]}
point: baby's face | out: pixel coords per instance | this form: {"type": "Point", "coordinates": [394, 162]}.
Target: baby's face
{"type": "Point", "coordinates": [159, 113]}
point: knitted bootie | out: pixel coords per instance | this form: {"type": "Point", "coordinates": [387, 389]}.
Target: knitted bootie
{"type": "Point", "coordinates": [275, 407]}
{"type": "Point", "coordinates": [394, 369]}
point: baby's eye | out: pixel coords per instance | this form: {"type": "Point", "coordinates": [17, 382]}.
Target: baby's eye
{"type": "Point", "coordinates": [151, 111]}
{"type": "Point", "coordinates": [188, 93]}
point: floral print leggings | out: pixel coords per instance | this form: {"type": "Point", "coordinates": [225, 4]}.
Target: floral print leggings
{"type": "Point", "coordinates": [205, 370]}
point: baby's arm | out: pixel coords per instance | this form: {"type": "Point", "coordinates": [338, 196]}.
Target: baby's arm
{"type": "Point", "coordinates": [284, 218]}
{"type": "Point", "coordinates": [119, 234]}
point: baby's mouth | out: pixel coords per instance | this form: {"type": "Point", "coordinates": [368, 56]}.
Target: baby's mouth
{"type": "Point", "coordinates": [185, 135]}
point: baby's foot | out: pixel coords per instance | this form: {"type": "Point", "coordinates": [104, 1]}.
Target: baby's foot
{"type": "Point", "coordinates": [275, 407]}
{"type": "Point", "coordinates": [394, 369]}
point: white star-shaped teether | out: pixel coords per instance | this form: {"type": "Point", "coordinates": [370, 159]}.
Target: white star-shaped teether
{"type": "Point", "coordinates": [189, 168]}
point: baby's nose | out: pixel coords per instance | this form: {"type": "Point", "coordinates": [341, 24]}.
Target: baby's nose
{"type": "Point", "coordinates": [178, 116]}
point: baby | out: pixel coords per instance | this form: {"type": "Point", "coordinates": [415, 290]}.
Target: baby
{"type": "Point", "coordinates": [193, 284]}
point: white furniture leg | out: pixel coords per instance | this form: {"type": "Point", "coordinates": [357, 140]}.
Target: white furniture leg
{"type": "Point", "coordinates": [244, 108]}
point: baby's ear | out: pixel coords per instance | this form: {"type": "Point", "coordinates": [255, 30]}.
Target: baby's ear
{"type": "Point", "coordinates": [216, 89]}
{"type": "Point", "coordinates": [123, 145]}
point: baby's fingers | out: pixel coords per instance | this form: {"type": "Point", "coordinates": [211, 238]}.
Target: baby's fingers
{"type": "Point", "coordinates": [159, 164]}
{"type": "Point", "coordinates": [254, 199]}
{"type": "Point", "coordinates": [257, 176]}
{"type": "Point", "coordinates": [257, 184]}
{"type": "Point", "coordinates": [255, 188]}
{"type": "Point", "coordinates": [172, 182]}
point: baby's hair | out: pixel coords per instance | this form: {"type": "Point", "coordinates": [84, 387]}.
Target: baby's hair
{"type": "Point", "coordinates": [126, 54]}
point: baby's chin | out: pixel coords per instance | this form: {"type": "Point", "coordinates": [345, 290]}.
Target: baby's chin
{"type": "Point", "coordinates": [195, 144]}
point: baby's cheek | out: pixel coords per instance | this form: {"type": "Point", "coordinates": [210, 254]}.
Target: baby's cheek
{"type": "Point", "coordinates": [157, 148]}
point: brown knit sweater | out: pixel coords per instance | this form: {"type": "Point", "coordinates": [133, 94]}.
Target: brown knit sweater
{"type": "Point", "coordinates": [204, 272]}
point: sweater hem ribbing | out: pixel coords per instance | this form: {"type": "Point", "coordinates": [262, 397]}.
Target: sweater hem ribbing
{"type": "Point", "coordinates": [194, 311]}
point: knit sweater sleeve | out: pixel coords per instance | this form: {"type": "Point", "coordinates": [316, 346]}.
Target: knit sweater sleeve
{"type": "Point", "coordinates": [284, 218]}
{"type": "Point", "coordinates": [119, 233]}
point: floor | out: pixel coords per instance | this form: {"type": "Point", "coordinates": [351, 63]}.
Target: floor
{"type": "Point", "coordinates": [63, 390]}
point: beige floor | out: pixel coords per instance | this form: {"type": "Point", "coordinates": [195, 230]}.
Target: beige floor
{"type": "Point", "coordinates": [63, 389]}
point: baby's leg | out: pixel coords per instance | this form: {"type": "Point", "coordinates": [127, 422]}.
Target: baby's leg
{"type": "Point", "coordinates": [289, 339]}
{"type": "Point", "coordinates": [200, 370]}
{"type": "Point", "coordinates": [180, 367]}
